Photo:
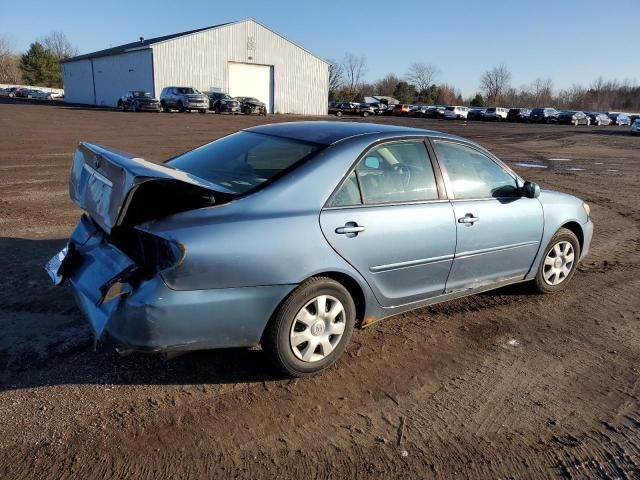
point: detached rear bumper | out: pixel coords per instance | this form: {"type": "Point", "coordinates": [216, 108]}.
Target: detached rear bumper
{"type": "Point", "coordinates": [141, 313]}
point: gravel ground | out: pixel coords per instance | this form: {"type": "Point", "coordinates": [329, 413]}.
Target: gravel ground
{"type": "Point", "coordinates": [499, 385]}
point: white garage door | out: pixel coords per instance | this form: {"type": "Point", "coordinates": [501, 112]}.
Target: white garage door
{"type": "Point", "coordinates": [247, 80]}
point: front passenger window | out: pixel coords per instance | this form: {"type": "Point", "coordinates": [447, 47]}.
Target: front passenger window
{"type": "Point", "coordinates": [473, 174]}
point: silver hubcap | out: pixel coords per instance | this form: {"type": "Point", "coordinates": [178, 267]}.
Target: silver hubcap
{"type": "Point", "coordinates": [558, 263]}
{"type": "Point", "coordinates": [317, 328]}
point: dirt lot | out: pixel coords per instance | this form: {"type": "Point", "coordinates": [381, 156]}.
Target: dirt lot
{"type": "Point", "coordinates": [500, 385]}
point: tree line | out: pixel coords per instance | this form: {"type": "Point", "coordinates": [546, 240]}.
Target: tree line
{"type": "Point", "coordinates": [39, 65]}
{"type": "Point", "coordinates": [420, 84]}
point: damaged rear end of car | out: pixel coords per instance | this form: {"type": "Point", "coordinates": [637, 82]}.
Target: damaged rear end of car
{"type": "Point", "coordinates": [113, 265]}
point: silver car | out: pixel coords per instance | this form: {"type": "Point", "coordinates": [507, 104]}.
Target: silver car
{"type": "Point", "coordinates": [290, 235]}
{"type": "Point", "coordinates": [183, 99]}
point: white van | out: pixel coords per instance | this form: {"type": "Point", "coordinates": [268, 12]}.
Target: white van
{"type": "Point", "coordinates": [456, 112]}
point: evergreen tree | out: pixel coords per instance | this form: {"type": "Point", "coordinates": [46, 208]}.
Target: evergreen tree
{"type": "Point", "coordinates": [40, 67]}
{"type": "Point", "coordinates": [477, 101]}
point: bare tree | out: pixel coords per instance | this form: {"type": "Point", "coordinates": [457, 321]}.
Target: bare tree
{"type": "Point", "coordinates": [387, 85]}
{"type": "Point", "coordinates": [9, 63]}
{"type": "Point", "coordinates": [422, 75]}
{"type": "Point", "coordinates": [542, 91]}
{"type": "Point", "coordinates": [354, 69]}
{"type": "Point", "coordinates": [60, 45]}
{"type": "Point", "coordinates": [495, 82]}
{"type": "Point", "coordinates": [336, 76]}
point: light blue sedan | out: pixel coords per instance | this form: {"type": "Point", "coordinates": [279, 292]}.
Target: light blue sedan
{"type": "Point", "coordinates": [290, 235]}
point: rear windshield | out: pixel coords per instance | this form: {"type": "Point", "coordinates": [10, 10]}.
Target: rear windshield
{"type": "Point", "coordinates": [450, 108]}
{"type": "Point", "coordinates": [537, 110]}
{"type": "Point", "coordinates": [245, 160]}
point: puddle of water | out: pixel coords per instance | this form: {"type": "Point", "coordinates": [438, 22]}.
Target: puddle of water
{"type": "Point", "coordinates": [576, 169]}
{"type": "Point", "coordinates": [530, 165]}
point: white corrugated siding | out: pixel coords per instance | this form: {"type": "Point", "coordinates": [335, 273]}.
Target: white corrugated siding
{"type": "Point", "coordinates": [78, 83]}
{"type": "Point", "coordinates": [115, 75]}
{"type": "Point", "coordinates": [301, 81]}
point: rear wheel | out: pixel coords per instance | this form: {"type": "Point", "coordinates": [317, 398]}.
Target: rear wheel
{"type": "Point", "coordinates": [164, 107]}
{"type": "Point", "coordinates": [312, 327]}
{"type": "Point", "coordinates": [365, 114]}
{"type": "Point", "coordinates": [338, 114]}
{"type": "Point", "coordinates": [558, 263]}
{"type": "Point", "coordinates": [181, 108]}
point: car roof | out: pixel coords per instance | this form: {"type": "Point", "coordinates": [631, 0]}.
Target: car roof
{"type": "Point", "coordinates": [330, 132]}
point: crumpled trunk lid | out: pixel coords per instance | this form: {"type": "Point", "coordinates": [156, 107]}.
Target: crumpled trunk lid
{"type": "Point", "coordinates": [109, 184]}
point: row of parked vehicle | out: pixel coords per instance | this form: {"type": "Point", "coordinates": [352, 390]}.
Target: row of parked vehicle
{"type": "Point", "coordinates": [185, 99]}
{"type": "Point", "coordinates": [460, 112]}
{"type": "Point", "coordinates": [23, 92]}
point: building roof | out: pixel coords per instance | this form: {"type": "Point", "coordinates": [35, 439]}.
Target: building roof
{"type": "Point", "coordinates": [146, 43]}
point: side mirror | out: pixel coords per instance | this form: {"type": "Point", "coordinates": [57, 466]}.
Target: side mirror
{"type": "Point", "coordinates": [530, 190]}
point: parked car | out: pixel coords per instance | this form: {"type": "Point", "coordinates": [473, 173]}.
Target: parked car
{"type": "Point", "coordinates": [476, 113]}
{"type": "Point", "coordinates": [633, 118]}
{"type": "Point", "coordinates": [635, 127]}
{"type": "Point", "coordinates": [183, 99]}
{"type": "Point", "coordinates": [139, 101]}
{"type": "Point", "coordinates": [312, 233]}
{"type": "Point", "coordinates": [574, 117]}
{"type": "Point", "coordinates": [456, 112]}
{"type": "Point", "coordinates": [435, 111]}
{"type": "Point", "coordinates": [37, 94]}
{"type": "Point", "coordinates": [20, 92]}
{"type": "Point", "coordinates": [496, 113]}
{"type": "Point", "coordinates": [349, 108]}
{"type": "Point", "coordinates": [619, 119]}
{"type": "Point", "coordinates": [544, 115]}
{"type": "Point", "coordinates": [518, 114]}
{"type": "Point", "coordinates": [402, 109]}
{"type": "Point", "coordinates": [251, 105]}
{"type": "Point", "coordinates": [223, 103]}
{"type": "Point", "coordinates": [8, 92]}
{"type": "Point", "coordinates": [598, 118]}
{"type": "Point", "coordinates": [379, 107]}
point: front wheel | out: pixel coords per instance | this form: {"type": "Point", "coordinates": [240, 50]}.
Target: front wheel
{"type": "Point", "coordinates": [338, 114]}
{"type": "Point", "coordinates": [311, 329]}
{"type": "Point", "coordinates": [558, 263]}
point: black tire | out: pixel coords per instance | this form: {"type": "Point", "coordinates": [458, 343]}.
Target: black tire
{"type": "Point", "coordinates": [276, 339]}
{"type": "Point", "coordinates": [217, 109]}
{"type": "Point", "coordinates": [202, 110]}
{"type": "Point", "coordinates": [540, 285]}
{"type": "Point", "coordinates": [164, 107]}
{"type": "Point", "coordinates": [338, 114]}
{"type": "Point", "coordinates": [121, 105]}
{"type": "Point", "coordinates": [365, 114]}
{"type": "Point", "coordinates": [180, 106]}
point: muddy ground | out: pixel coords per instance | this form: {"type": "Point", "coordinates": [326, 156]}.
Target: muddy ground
{"type": "Point", "coordinates": [499, 385]}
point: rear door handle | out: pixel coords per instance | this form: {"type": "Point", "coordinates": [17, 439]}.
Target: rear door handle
{"type": "Point", "coordinates": [350, 229]}
{"type": "Point", "coordinates": [469, 218]}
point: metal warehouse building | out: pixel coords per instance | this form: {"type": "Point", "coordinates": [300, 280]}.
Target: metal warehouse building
{"type": "Point", "coordinates": [242, 58]}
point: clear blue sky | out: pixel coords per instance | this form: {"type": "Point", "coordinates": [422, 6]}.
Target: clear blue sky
{"type": "Point", "coordinates": [570, 41]}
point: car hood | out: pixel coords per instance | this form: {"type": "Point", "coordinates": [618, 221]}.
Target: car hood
{"type": "Point", "coordinates": [108, 184]}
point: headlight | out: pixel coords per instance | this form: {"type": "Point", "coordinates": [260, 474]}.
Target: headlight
{"type": "Point", "coordinates": [587, 209]}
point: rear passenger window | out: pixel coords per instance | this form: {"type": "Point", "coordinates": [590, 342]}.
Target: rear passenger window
{"type": "Point", "coordinates": [390, 173]}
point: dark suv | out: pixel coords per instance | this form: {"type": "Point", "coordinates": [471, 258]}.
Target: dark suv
{"type": "Point", "coordinates": [183, 99]}
{"type": "Point", "coordinates": [222, 103]}
{"type": "Point", "coordinates": [544, 115]}
{"type": "Point", "coordinates": [138, 101]}
{"type": "Point", "coordinates": [518, 114]}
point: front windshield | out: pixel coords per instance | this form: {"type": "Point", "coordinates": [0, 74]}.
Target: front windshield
{"type": "Point", "coordinates": [142, 95]}
{"type": "Point", "coordinates": [245, 160]}
{"type": "Point", "coordinates": [187, 90]}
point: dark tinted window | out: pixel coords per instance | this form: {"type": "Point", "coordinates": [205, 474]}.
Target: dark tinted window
{"type": "Point", "coordinates": [473, 174]}
{"type": "Point", "coordinates": [244, 160]}
{"type": "Point", "coordinates": [348, 194]}
{"type": "Point", "coordinates": [186, 90]}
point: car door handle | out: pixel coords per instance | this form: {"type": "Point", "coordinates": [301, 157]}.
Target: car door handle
{"type": "Point", "coordinates": [351, 229]}
{"type": "Point", "coordinates": [469, 219]}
